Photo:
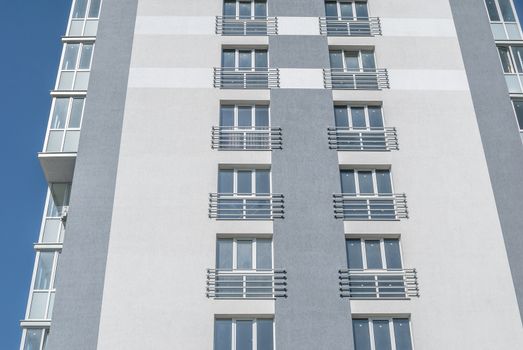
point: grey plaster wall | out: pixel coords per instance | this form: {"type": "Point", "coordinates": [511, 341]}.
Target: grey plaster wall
{"type": "Point", "coordinates": [497, 124]}
{"type": "Point", "coordinates": [81, 268]}
{"type": "Point", "coordinates": [306, 8]}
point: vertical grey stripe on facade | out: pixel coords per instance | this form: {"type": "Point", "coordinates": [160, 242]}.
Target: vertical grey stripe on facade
{"type": "Point", "coordinates": [309, 242]}
{"type": "Point", "coordinates": [81, 267]}
{"type": "Point", "coordinates": [497, 125]}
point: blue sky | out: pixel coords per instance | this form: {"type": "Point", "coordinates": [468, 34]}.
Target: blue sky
{"type": "Point", "coordinates": [28, 65]}
{"type": "Point", "coordinates": [31, 32]}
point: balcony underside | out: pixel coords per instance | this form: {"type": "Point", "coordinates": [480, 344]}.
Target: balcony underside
{"type": "Point", "coordinates": [57, 167]}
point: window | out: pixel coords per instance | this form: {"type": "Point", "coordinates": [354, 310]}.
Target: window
{"type": "Point", "coordinates": [500, 10]}
{"type": "Point", "coordinates": [366, 182]}
{"type": "Point", "coordinates": [75, 67]}
{"type": "Point", "coordinates": [243, 334]}
{"type": "Point", "coordinates": [35, 338]}
{"type": "Point", "coordinates": [65, 124]}
{"type": "Point", "coordinates": [244, 254]}
{"type": "Point", "coordinates": [57, 204]}
{"type": "Point", "coordinates": [511, 58]}
{"type": "Point", "coordinates": [84, 18]}
{"type": "Point", "coordinates": [244, 116]}
{"type": "Point", "coordinates": [244, 182]}
{"type": "Point", "coordinates": [382, 334]}
{"type": "Point", "coordinates": [346, 10]}
{"type": "Point", "coordinates": [380, 254]}
{"type": "Point", "coordinates": [245, 9]}
{"type": "Point", "coordinates": [361, 117]}
{"type": "Point", "coordinates": [42, 293]}
{"type": "Point", "coordinates": [245, 59]}
{"type": "Point", "coordinates": [350, 61]}
{"type": "Point", "coordinates": [518, 109]}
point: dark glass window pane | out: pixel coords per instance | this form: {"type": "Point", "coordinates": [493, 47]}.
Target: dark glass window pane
{"type": "Point", "coordinates": [341, 116]}
{"type": "Point", "coordinates": [59, 117]}
{"type": "Point", "coordinates": [517, 51]}
{"type": "Point", "coordinates": [392, 253]}
{"type": "Point", "coordinates": [492, 10]}
{"type": "Point", "coordinates": [244, 184]}
{"type": "Point", "coordinates": [44, 270]}
{"type": "Point", "coordinates": [244, 255]}
{"type": "Point", "coordinates": [33, 338]}
{"type": "Point", "coordinates": [336, 59]}
{"type": "Point", "coordinates": [375, 117]}
{"type": "Point", "coordinates": [225, 181]}
{"type": "Point", "coordinates": [506, 10]}
{"type": "Point", "coordinates": [384, 182]}
{"type": "Point", "coordinates": [367, 59]}
{"type": "Point", "coordinates": [361, 10]}
{"type": "Point", "coordinates": [352, 61]}
{"type": "Point", "coordinates": [358, 117]}
{"type": "Point", "coordinates": [263, 182]}
{"type": "Point", "coordinates": [77, 107]}
{"type": "Point", "coordinates": [228, 59]}
{"type": "Point", "coordinates": [222, 334]}
{"type": "Point", "coordinates": [331, 9]}
{"type": "Point", "coordinates": [261, 59]}
{"type": "Point", "coordinates": [245, 9]}
{"type": "Point", "coordinates": [518, 107]}
{"type": "Point", "coordinates": [243, 335]}
{"type": "Point", "coordinates": [227, 116]}
{"type": "Point", "coordinates": [260, 9]}
{"type": "Point", "coordinates": [245, 116]}
{"type": "Point", "coordinates": [346, 11]}
{"type": "Point", "coordinates": [224, 254]}
{"type": "Point", "coordinates": [261, 116]}
{"type": "Point", "coordinates": [348, 184]}
{"type": "Point", "coordinates": [354, 257]}
{"type": "Point", "coordinates": [79, 8]}
{"type": "Point", "coordinates": [229, 8]}
{"type": "Point", "coordinates": [264, 255]}
{"type": "Point", "coordinates": [70, 56]}
{"type": "Point", "coordinates": [373, 252]}
{"type": "Point", "coordinates": [94, 11]}
{"type": "Point", "coordinates": [86, 56]}
{"type": "Point", "coordinates": [504, 56]}
{"type": "Point", "coordinates": [264, 335]}
{"type": "Point", "coordinates": [381, 334]}
{"type": "Point", "coordinates": [402, 334]}
{"type": "Point", "coordinates": [360, 329]}
{"type": "Point", "coordinates": [365, 182]}
{"type": "Point", "coordinates": [245, 59]}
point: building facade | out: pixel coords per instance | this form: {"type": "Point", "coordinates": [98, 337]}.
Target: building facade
{"type": "Point", "coordinates": [283, 174]}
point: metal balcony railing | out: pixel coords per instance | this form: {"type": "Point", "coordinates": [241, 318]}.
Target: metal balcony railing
{"type": "Point", "coordinates": [356, 79]}
{"type": "Point", "coordinates": [237, 26]}
{"type": "Point", "coordinates": [233, 138]}
{"type": "Point", "coordinates": [349, 206]}
{"type": "Point", "coordinates": [257, 284]}
{"type": "Point", "coordinates": [384, 284]}
{"type": "Point", "coordinates": [335, 26]}
{"type": "Point", "coordinates": [363, 139]}
{"type": "Point", "coordinates": [234, 206]}
{"type": "Point", "coordinates": [236, 78]}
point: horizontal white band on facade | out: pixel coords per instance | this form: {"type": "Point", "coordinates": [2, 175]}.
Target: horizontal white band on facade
{"type": "Point", "coordinates": [206, 25]}
{"type": "Point", "coordinates": [418, 27]}
{"type": "Point", "coordinates": [35, 324]}
{"type": "Point", "coordinates": [298, 78]}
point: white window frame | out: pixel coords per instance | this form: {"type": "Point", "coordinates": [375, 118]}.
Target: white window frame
{"type": "Point", "coordinates": [43, 341]}
{"type": "Point", "coordinates": [253, 252]}
{"type": "Point", "coordinates": [353, 3]}
{"type": "Point", "coordinates": [391, 329]}
{"type": "Point", "coordinates": [46, 217]}
{"type": "Point", "coordinates": [360, 60]}
{"type": "Point", "coordinates": [253, 106]}
{"type": "Point", "coordinates": [85, 19]}
{"type": "Point", "coordinates": [382, 251]}
{"type": "Point", "coordinates": [500, 14]}
{"type": "Point", "coordinates": [50, 292]}
{"type": "Point", "coordinates": [254, 329]}
{"type": "Point", "coordinates": [374, 181]}
{"type": "Point", "coordinates": [253, 8]}
{"type": "Point", "coordinates": [365, 106]}
{"type": "Point", "coordinates": [253, 181]}
{"type": "Point", "coordinates": [512, 58]}
{"type": "Point", "coordinates": [253, 58]}
{"type": "Point", "coordinates": [76, 68]}
{"type": "Point", "coordinates": [512, 100]}
{"type": "Point", "coordinates": [67, 120]}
